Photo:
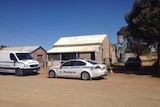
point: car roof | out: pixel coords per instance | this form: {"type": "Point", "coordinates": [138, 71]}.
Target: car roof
{"type": "Point", "coordinates": [77, 60]}
{"type": "Point", "coordinates": [83, 60]}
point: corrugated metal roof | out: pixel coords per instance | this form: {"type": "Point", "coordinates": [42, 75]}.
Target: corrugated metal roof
{"type": "Point", "coordinates": [79, 40]}
{"type": "Point", "coordinates": [87, 43]}
{"type": "Point", "coordinates": [21, 48]}
{"type": "Point", "coordinates": [88, 48]}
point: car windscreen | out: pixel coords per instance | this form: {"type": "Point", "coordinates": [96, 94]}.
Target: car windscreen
{"type": "Point", "coordinates": [24, 56]}
{"type": "Point", "coordinates": [92, 62]}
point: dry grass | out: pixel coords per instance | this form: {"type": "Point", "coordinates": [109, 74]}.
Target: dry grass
{"type": "Point", "coordinates": [148, 61]}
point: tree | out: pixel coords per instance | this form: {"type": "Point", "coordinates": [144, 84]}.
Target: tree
{"type": "Point", "coordinates": [144, 22]}
{"type": "Point", "coordinates": [133, 44]}
{"type": "Point", "coordinates": [2, 46]}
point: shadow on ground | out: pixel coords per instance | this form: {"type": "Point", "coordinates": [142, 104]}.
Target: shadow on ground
{"type": "Point", "coordinates": [12, 74]}
{"type": "Point", "coordinates": [144, 70]}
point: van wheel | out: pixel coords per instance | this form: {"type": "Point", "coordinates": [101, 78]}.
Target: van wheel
{"type": "Point", "coordinates": [85, 76]}
{"type": "Point", "coordinates": [19, 72]}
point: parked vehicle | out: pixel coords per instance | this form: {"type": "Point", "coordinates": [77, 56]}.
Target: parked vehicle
{"type": "Point", "coordinates": [18, 62]}
{"type": "Point", "coordinates": [78, 68]}
{"type": "Point", "coordinates": [133, 62]}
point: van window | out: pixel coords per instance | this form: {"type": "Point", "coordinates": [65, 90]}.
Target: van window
{"type": "Point", "coordinates": [12, 57]}
{"type": "Point", "coordinates": [24, 56]}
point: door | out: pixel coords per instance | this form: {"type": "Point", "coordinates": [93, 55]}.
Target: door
{"type": "Point", "coordinates": [72, 69]}
{"type": "Point", "coordinates": [66, 69]}
{"type": "Point", "coordinates": [12, 63]}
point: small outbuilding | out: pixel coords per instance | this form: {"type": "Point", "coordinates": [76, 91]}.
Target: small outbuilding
{"type": "Point", "coordinates": [37, 52]}
{"type": "Point", "coordinates": [92, 47]}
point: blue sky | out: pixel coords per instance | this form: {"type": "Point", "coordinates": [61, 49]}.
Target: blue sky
{"type": "Point", "coordinates": [43, 22]}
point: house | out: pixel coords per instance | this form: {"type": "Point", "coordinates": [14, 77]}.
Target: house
{"type": "Point", "coordinates": [37, 52]}
{"type": "Point", "coordinates": [92, 47]}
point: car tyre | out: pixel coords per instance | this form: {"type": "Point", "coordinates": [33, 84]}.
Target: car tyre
{"type": "Point", "coordinates": [85, 76]}
{"type": "Point", "coordinates": [52, 74]}
{"type": "Point", "coordinates": [19, 72]}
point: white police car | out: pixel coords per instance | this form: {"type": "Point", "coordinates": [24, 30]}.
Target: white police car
{"type": "Point", "coordinates": [78, 68]}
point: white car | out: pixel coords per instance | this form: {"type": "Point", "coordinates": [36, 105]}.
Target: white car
{"type": "Point", "coordinates": [78, 68]}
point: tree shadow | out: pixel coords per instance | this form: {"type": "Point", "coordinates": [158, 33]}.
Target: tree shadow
{"type": "Point", "coordinates": [143, 70]}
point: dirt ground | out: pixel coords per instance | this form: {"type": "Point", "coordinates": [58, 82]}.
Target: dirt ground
{"type": "Point", "coordinates": [117, 90]}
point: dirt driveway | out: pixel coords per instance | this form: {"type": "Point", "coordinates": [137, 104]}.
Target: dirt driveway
{"type": "Point", "coordinates": [118, 90]}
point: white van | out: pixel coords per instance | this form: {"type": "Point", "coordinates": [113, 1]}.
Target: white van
{"type": "Point", "coordinates": [18, 62]}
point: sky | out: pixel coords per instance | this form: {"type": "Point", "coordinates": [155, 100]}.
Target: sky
{"type": "Point", "coordinates": [43, 22]}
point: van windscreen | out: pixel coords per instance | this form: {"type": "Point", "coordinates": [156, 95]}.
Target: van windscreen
{"type": "Point", "coordinates": [24, 56]}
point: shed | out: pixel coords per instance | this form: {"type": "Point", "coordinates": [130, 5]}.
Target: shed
{"type": "Point", "coordinates": [92, 47]}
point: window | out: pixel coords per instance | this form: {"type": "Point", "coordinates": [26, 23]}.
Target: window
{"type": "Point", "coordinates": [74, 63]}
{"type": "Point", "coordinates": [12, 57]}
{"type": "Point", "coordinates": [70, 63]}
{"type": "Point", "coordinates": [92, 55]}
{"type": "Point", "coordinates": [24, 56]}
{"type": "Point", "coordinates": [68, 56]}
{"type": "Point", "coordinates": [79, 63]}
{"type": "Point", "coordinates": [40, 58]}
{"type": "Point", "coordinates": [92, 62]}
{"type": "Point", "coordinates": [55, 56]}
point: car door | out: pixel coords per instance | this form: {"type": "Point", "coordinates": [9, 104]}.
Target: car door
{"type": "Point", "coordinates": [66, 69]}
{"type": "Point", "coordinates": [78, 68]}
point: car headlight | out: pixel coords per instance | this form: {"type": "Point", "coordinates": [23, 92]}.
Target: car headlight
{"type": "Point", "coordinates": [26, 65]}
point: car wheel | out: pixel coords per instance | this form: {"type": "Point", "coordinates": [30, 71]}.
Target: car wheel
{"type": "Point", "coordinates": [19, 72]}
{"type": "Point", "coordinates": [85, 76]}
{"type": "Point", "coordinates": [52, 74]}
